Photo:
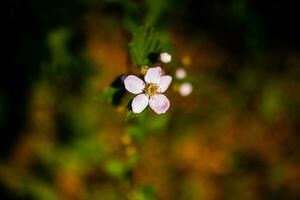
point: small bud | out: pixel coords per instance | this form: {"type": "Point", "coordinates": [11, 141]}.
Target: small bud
{"type": "Point", "coordinates": [165, 57]}
{"type": "Point", "coordinates": [144, 69]}
{"type": "Point", "coordinates": [185, 89]}
{"type": "Point", "coordinates": [180, 73]}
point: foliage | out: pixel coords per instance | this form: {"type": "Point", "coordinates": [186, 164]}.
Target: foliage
{"type": "Point", "coordinates": [146, 46]}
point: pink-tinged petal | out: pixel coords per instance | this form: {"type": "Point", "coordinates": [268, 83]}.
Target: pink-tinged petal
{"type": "Point", "coordinates": [139, 103]}
{"type": "Point", "coordinates": [164, 83]}
{"type": "Point", "coordinates": [159, 103]}
{"type": "Point", "coordinates": [153, 75]}
{"type": "Point", "coordinates": [134, 84]}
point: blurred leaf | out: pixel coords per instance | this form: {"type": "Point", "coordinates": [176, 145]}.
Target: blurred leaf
{"type": "Point", "coordinates": [108, 94]}
{"type": "Point", "coordinates": [145, 193]}
{"type": "Point", "coordinates": [272, 102]}
{"type": "Point", "coordinates": [158, 122]}
{"type": "Point", "coordinates": [156, 9]}
{"type": "Point", "coordinates": [116, 168]}
{"type": "Point", "coordinates": [40, 189]}
{"type": "Point", "coordinates": [58, 43]}
{"type": "Point", "coordinates": [136, 133]}
{"type": "Point", "coordinates": [88, 149]}
{"type": "Point", "coordinates": [131, 21]}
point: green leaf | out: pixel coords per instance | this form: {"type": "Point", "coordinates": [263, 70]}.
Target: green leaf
{"type": "Point", "coordinates": [145, 42]}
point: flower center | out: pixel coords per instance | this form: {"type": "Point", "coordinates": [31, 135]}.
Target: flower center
{"type": "Point", "coordinates": [151, 89]}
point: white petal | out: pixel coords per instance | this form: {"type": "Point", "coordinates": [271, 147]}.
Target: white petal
{"type": "Point", "coordinates": [134, 84]}
{"type": "Point", "coordinates": [164, 83]}
{"type": "Point", "coordinates": [159, 103]}
{"type": "Point", "coordinates": [153, 75]}
{"type": "Point", "coordinates": [185, 89]}
{"type": "Point", "coordinates": [139, 103]}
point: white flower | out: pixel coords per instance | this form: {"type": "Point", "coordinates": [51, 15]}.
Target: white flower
{"type": "Point", "coordinates": [150, 91]}
{"type": "Point", "coordinates": [185, 89]}
{"type": "Point", "coordinates": [180, 73]}
{"type": "Point", "coordinates": [165, 57]}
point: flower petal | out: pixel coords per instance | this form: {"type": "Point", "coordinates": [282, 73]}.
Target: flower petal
{"type": "Point", "coordinates": [153, 75]}
{"type": "Point", "coordinates": [134, 84]}
{"type": "Point", "coordinates": [139, 103]}
{"type": "Point", "coordinates": [159, 103]}
{"type": "Point", "coordinates": [164, 83]}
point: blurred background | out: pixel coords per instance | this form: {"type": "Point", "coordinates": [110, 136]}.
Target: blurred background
{"type": "Point", "coordinates": [66, 133]}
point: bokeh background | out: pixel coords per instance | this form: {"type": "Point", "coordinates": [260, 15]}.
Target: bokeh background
{"type": "Point", "coordinates": [66, 133]}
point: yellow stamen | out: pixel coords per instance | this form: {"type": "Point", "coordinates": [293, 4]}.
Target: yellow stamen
{"type": "Point", "coordinates": [151, 89]}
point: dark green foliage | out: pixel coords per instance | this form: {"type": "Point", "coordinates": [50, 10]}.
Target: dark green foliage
{"type": "Point", "coordinates": [146, 42]}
